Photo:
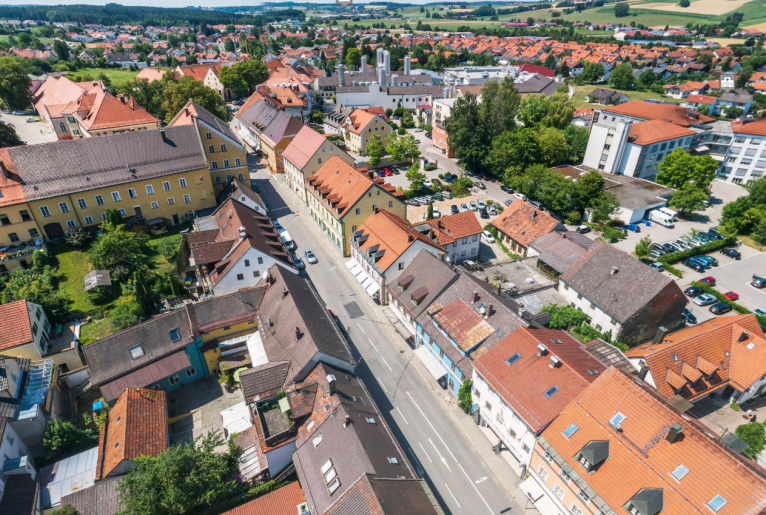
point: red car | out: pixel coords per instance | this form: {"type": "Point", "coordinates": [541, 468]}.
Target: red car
{"type": "Point", "coordinates": [710, 281]}
{"type": "Point", "coordinates": [388, 172]}
{"type": "Point", "coordinates": [731, 295]}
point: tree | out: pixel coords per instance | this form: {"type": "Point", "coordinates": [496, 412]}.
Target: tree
{"type": "Point", "coordinates": [375, 150]}
{"type": "Point", "coordinates": [590, 188]}
{"type": "Point", "coordinates": [464, 135]}
{"type": "Point", "coordinates": [415, 177]}
{"type": "Point", "coordinates": [430, 211]}
{"type": "Point", "coordinates": [733, 112]}
{"type": "Point", "coordinates": [622, 76]}
{"type": "Point", "coordinates": [644, 246]}
{"type": "Point", "coordinates": [738, 214]}
{"type": "Point", "coordinates": [564, 317]}
{"type": "Point", "coordinates": [169, 248]}
{"type": "Point", "coordinates": [409, 147]}
{"type": "Point", "coordinates": [67, 509]}
{"type": "Point", "coordinates": [512, 153]}
{"type": "Point", "coordinates": [605, 208]}
{"type": "Point", "coordinates": [178, 93]}
{"type": "Point", "coordinates": [647, 78]}
{"type": "Point", "coordinates": [679, 168]}
{"type": "Point", "coordinates": [8, 136]}
{"type": "Point", "coordinates": [500, 103]}
{"type": "Point", "coordinates": [577, 139]}
{"type": "Point", "coordinates": [592, 73]}
{"type": "Point", "coordinates": [62, 51]}
{"type": "Point", "coordinates": [182, 479]}
{"type": "Point", "coordinates": [39, 287]}
{"type": "Point", "coordinates": [116, 246]}
{"type": "Point", "coordinates": [553, 147]}
{"type": "Point", "coordinates": [465, 401]}
{"type": "Point", "coordinates": [550, 61]}
{"type": "Point", "coordinates": [758, 192]}
{"type": "Point", "coordinates": [15, 84]}
{"type": "Point", "coordinates": [127, 311]}
{"type": "Point", "coordinates": [65, 436]}
{"type": "Point", "coordinates": [684, 3]}
{"type": "Point", "coordinates": [752, 434]}
{"type": "Point", "coordinates": [621, 10]}
{"type": "Point", "coordinates": [228, 45]}
{"type": "Point", "coordinates": [243, 77]}
{"type": "Point", "coordinates": [759, 233]}
{"type": "Point", "coordinates": [688, 199]}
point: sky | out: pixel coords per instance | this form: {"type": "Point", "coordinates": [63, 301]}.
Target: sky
{"type": "Point", "coordinates": [178, 3]}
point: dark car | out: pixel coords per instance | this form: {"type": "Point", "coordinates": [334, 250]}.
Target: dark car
{"type": "Point", "coordinates": [256, 188]}
{"type": "Point", "coordinates": [633, 228]}
{"type": "Point", "coordinates": [454, 209]}
{"type": "Point", "coordinates": [669, 248]}
{"type": "Point", "coordinates": [689, 316]}
{"type": "Point", "coordinates": [505, 189]}
{"type": "Point", "coordinates": [709, 280]}
{"type": "Point", "coordinates": [428, 135]}
{"type": "Point", "coordinates": [758, 282]}
{"type": "Point", "coordinates": [583, 229]}
{"type": "Point", "coordinates": [484, 213]}
{"type": "Point", "coordinates": [694, 265]}
{"type": "Point", "coordinates": [710, 260]}
{"type": "Point", "coordinates": [720, 308]}
{"type": "Point", "coordinates": [693, 291]}
{"type": "Point", "coordinates": [734, 254]}
{"type": "Point", "coordinates": [658, 246]}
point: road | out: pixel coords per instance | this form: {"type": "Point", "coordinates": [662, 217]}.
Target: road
{"type": "Point", "coordinates": [434, 442]}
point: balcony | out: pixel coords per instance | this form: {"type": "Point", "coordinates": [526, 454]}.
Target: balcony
{"type": "Point", "coordinates": [20, 250]}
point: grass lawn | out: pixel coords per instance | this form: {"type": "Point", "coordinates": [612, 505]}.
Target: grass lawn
{"type": "Point", "coordinates": [160, 262]}
{"type": "Point", "coordinates": [118, 76]}
{"type": "Point", "coordinates": [580, 91]}
{"type": "Point", "coordinates": [97, 329]}
{"type": "Point", "coordinates": [73, 262]}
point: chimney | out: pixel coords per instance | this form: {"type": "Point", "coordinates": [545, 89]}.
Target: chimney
{"type": "Point", "coordinates": [341, 75]}
{"type": "Point", "coordinates": [387, 60]}
{"type": "Point", "coordinates": [330, 384]}
{"type": "Point", "coordinates": [394, 80]}
{"type": "Point", "coordinates": [297, 333]}
{"type": "Point", "coordinates": [474, 297]}
{"type": "Point", "coordinates": [376, 210]}
{"type": "Point", "coordinates": [643, 370]}
{"type": "Point", "coordinates": [613, 271]}
{"type": "Point", "coordinates": [674, 433]}
{"type": "Point", "coordinates": [488, 311]}
{"type": "Point", "coordinates": [268, 321]}
{"type": "Point", "coordinates": [409, 238]}
{"type": "Point", "coordinates": [661, 332]}
{"type": "Point", "coordinates": [364, 64]}
{"type": "Point", "coordinates": [242, 233]}
{"type": "Point", "coordinates": [162, 133]}
{"type": "Point", "coordinates": [542, 350]}
{"type": "Point", "coordinates": [743, 337]}
{"type": "Point", "coordinates": [284, 292]}
{"type": "Point", "coordinates": [554, 362]}
{"type": "Point", "coordinates": [439, 224]}
{"type": "Point", "coordinates": [346, 420]}
{"type": "Point", "coordinates": [407, 64]}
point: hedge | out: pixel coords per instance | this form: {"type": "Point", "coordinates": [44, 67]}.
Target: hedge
{"type": "Point", "coordinates": [675, 257]}
{"type": "Point", "coordinates": [742, 310]}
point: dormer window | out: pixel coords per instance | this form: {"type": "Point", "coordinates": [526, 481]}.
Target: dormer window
{"type": "Point", "coordinates": [648, 501]}
{"type": "Point", "coordinates": [593, 454]}
{"type": "Point", "coordinates": [137, 352]}
{"type": "Point", "coordinates": [175, 335]}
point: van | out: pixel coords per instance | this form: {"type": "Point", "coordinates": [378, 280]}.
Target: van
{"type": "Point", "coordinates": [288, 241]}
{"type": "Point", "coordinates": [661, 218]}
{"type": "Point", "coordinates": [669, 213]}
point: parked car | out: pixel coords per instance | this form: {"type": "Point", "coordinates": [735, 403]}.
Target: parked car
{"type": "Point", "coordinates": [32, 120]}
{"type": "Point", "coordinates": [689, 316]}
{"type": "Point", "coordinates": [657, 266]}
{"type": "Point", "coordinates": [720, 308]}
{"type": "Point", "coordinates": [278, 226]}
{"type": "Point", "coordinates": [395, 171]}
{"type": "Point", "coordinates": [483, 213]}
{"type": "Point", "coordinates": [713, 261]}
{"type": "Point", "coordinates": [428, 135]}
{"type": "Point", "coordinates": [381, 173]}
{"type": "Point", "coordinates": [520, 196]}
{"type": "Point", "coordinates": [482, 204]}
{"type": "Point", "coordinates": [436, 183]}
{"type": "Point", "coordinates": [734, 254]}
{"type": "Point", "coordinates": [389, 173]}
{"type": "Point", "coordinates": [693, 291]}
{"type": "Point", "coordinates": [463, 207]}
{"type": "Point", "coordinates": [255, 187]}
{"type": "Point", "coordinates": [428, 183]}
{"type": "Point", "coordinates": [437, 213]}
{"type": "Point", "coordinates": [633, 228]}
{"type": "Point", "coordinates": [298, 262]}
{"type": "Point", "coordinates": [22, 113]}
{"type": "Point", "coordinates": [488, 237]}
{"type": "Point", "coordinates": [535, 204]}
{"type": "Point", "coordinates": [758, 281]}
{"type": "Point", "coordinates": [761, 312]}
{"type": "Point", "coordinates": [704, 264]}
{"type": "Point", "coordinates": [583, 229]}
{"type": "Point", "coordinates": [731, 295]}
{"type": "Point", "coordinates": [709, 280]}
{"type": "Point", "coordinates": [658, 246]}
{"type": "Point", "coordinates": [704, 299]}
{"type": "Point", "coordinates": [715, 234]}
{"type": "Point", "coordinates": [656, 254]}
{"type": "Point", "coordinates": [473, 206]}
{"type": "Point", "coordinates": [492, 210]}
{"type": "Point", "coordinates": [506, 189]}
{"type": "Point", "coordinates": [694, 265]}
{"type": "Point", "coordinates": [310, 257]}
{"type": "Point", "coordinates": [508, 202]}
{"type": "Point", "coordinates": [480, 185]}
{"type": "Point", "coordinates": [667, 247]}
{"type": "Point", "coordinates": [454, 209]}
{"type": "Point", "coordinates": [418, 129]}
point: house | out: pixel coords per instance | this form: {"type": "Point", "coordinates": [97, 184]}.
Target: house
{"type": "Point", "coordinates": [421, 281]}
{"type": "Point", "coordinates": [333, 120]}
{"type": "Point", "coordinates": [582, 117]}
{"type": "Point", "coordinates": [305, 154]}
{"type": "Point", "coordinates": [459, 234]}
{"type": "Point", "coordinates": [606, 97]}
{"type": "Point", "coordinates": [522, 384]}
{"type": "Point", "coordinates": [362, 125]}
{"type": "Point", "coordinates": [621, 295]}
{"type": "Point", "coordinates": [440, 140]}
{"type": "Point", "coordinates": [55, 95]}
{"type": "Point", "coordinates": [208, 74]}
{"type": "Point", "coordinates": [740, 165]}
{"type": "Point", "coordinates": [697, 101]}
{"type": "Point", "coordinates": [247, 196]}
{"type": "Point", "coordinates": [235, 247]}
{"type": "Point", "coordinates": [99, 113]}
{"type": "Point", "coordinates": [722, 358]}
{"type": "Point", "coordinates": [557, 251]}
{"type": "Point", "coordinates": [124, 60]}
{"type": "Point", "coordinates": [341, 198]}
{"type": "Point", "coordinates": [162, 352]}
{"type": "Point", "coordinates": [738, 98]}
{"type": "Point", "coordinates": [271, 130]}
{"type": "Point", "coordinates": [102, 498]}
{"type": "Point", "coordinates": [666, 461]}
{"type": "Point", "coordinates": [382, 247]}
{"type": "Point", "coordinates": [88, 57]}
{"type": "Point", "coordinates": [521, 224]}
{"type": "Point", "coordinates": [282, 501]}
{"type": "Point", "coordinates": [223, 150]}
{"type": "Point", "coordinates": [681, 91]}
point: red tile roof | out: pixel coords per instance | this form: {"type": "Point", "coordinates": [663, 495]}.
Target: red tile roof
{"type": "Point", "coordinates": [701, 99]}
{"type": "Point", "coordinates": [755, 127]}
{"type": "Point", "coordinates": [283, 501]}
{"type": "Point", "coordinates": [303, 146]}
{"type": "Point", "coordinates": [10, 183]}
{"type": "Point", "coordinates": [340, 183]}
{"type": "Point", "coordinates": [107, 111]}
{"type": "Point", "coordinates": [453, 227]}
{"type": "Point", "coordinates": [524, 223]}
{"type": "Point", "coordinates": [15, 326]}
{"type": "Point", "coordinates": [650, 111]}
{"type": "Point", "coordinates": [652, 131]}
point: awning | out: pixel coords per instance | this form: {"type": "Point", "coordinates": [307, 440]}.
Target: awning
{"type": "Point", "coordinates": [531, 489]}
{"type": "Point", "coordinates": [547, 507]}
{"type": "Point", "coordinates": [372, 289]}
{"type": "Point", "coordinates": [236, 419]}
{"type": "Point", "coordinates": [351, 264]}
{"type": "Point", "coordinates": [256, 350]}
{"type": "Point", "coordinates": [147, 375]}
{"type": "Point", "coordinates": [436, 370]}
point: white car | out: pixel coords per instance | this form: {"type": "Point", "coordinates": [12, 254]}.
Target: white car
{"type": "Point", "coordinates": [473, 206]}
{"type": "Point", "coordinates": [482, 204]}
{"type": "Point", "coordinates": [704, 299]}
{"type": "Point", "coordinates": [488, 237]}
{"type": "Point", "coordinates": [428, 183]}
{"type": "Point", "coordinates": [310, 257]}
{"type": "Point", "coordinates": [463, 207]}
{"type": "Point", "coordinates": [437, 213]}
{"type": "Point", "coordinates": [520, 196]}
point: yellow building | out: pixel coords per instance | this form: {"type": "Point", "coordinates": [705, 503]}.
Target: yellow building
{"type": "Point", "coordinates": [362, 125]}
{"type": "Point", "coordinates": [99, 113]}
{"type": "Point", "coordinates": [224, 152]}
{"type": "Point", "coordinates": [152, 175]}
{"type": "Point", "coordinates": [341, 198]}
{"type": "Point", "coordinates": [271, 130]}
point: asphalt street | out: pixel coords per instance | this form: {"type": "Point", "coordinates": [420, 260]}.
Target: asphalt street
{"type": "Point", "coordinates": [436, 445]}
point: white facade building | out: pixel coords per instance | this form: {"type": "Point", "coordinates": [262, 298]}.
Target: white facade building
{"type": "Point", "coordinates": [746, 159]}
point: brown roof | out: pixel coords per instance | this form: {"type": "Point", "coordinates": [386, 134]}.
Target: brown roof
{"type": "Point", "coordinates": [15, 325]}
{"type": "Point", "coordinates": [453, 227]}
{"type": "Point", "coordinates": [199, 71]}
{"type": "Point", "coordinates": [283, 501]}
{"type": "Point", "coordinates": [650, 111]}
{"type": "Point", "coordinates": [639, 456]}
{"type": "Point", "coordinates": [464, 324]}
{"type": "Point", "coordinates": [137, 425]}
{"type": "Point", "coordinates": [652, 131]}
{"type": "Point", "coordinates": [340, 184]}
{"type": "Point", "coordinates": [303, 146]}
{"type": "Point", "coordinates": [524, 223]}
{"type": "Point", "coordinates": [524, 383]}
{"type": "Point", "coordinates": [11, 187]}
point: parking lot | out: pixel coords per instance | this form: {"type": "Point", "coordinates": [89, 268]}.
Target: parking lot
{"type": "Point", "coordinates": [31, 133]}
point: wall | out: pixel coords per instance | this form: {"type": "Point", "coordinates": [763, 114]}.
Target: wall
{"type": "Point", "coordinates": [234, 153]}
{"type": "Point", "coordinates": [280, 458]}
{"type": "Point", "coordinates": [197, 363]}
{"type": "Point", "coordinates": [454, 378]}
{"type": "Point", "coordinates": [11, 450]}
{"type": "Point", "coordinates": [297, 177]}
{"type": "Point", "coordinates": [463, 248]}
{"type": "Point", "coordinates": [259, 264]}
{"type": "Point", "coordinates": [359, 142]}
{"type": "Point", "coordinates": [377, 98]}
{"type": "Point", "coordinates": [21, 224]}
{"type": "Point", "coordinates": [746, 159]}
{"type": "Point", "coordinates": [375, 197]}
{"type": "Point", "coordinates": [547, 473]}
{"type": "Point", "coordinates": [212, 357]}
{"type": "Point", "coordinates": [599, 319]}
{"type": "Point", "coordinates": [112, 130]}
{"type": "Point", "coordinates": [401, 312]}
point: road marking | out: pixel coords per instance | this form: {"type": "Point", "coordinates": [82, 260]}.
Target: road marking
{"type": "Point", "coordinates": [360, 327]}
{"type": "Point", "coordinates": [381, 384]}
{"type": "Point", "coordinates": [474, 487]}
{"type": "Point", "coordinates": [373, 346]}
{"type": "Point", "coordinates": [333, 268]}
{"type": "Point", "coordinates": [432, 426]}
{"type": "Point", "coordinates": [424, 452]}
{"type": "Point", "coordinates": [480, 480]}
{"type": "Point", "coordinates": [453, 496]}
{"type": "Point", "coordinates": [386, 362]}
{"type": "Point", "coordinates": [440, 455]}
{"type": "Point", "coordinates": [402, 415]}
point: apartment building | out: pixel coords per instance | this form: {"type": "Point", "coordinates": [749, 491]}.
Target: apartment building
{"type": "Point", "coordinates": [98, 113]}
{"type": "Point", "coordinates": [270, 130]}
{"type": "Point", "coordinates": [305, 154]}
{"type": "Point", "coordinates": [746, 159]}
{"type": "Point", "coordinates": [360, 126]}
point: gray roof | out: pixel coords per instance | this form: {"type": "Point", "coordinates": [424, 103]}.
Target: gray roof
{"type": "Point", "coordinates": [117, 56]}
{"type": "Point", "coordinates": [539, 84]}
{"type": "Point", "coordinates": [110, 357]}
{"type": "Point", "coordinates": [20, 496]}
{"type": "Point", "coordinates": [632, 192]}
{"type": "Point", "coordinates": [621, 294]}
{"type": "Point", "coordinates": [100, 499]}
{"type": "Point", "coordinates": [399, 497]}
{"type": "Point", "coordinates": [559, 250]}
{"type": "Point", "coordinates": [338, 115]}
{"type": "Point", "coordinates": [216, 123]}
{"type": "Point", "coordinates": [97, 278]}
{"type": "Point", "coordinates": [738, 96]}
{"type": "Point", "coordinates": [62, 167]}
{"type": "Point", "coordinates": [223, 309]}
{"type": "Point", "coordinates": [263, 378]}
{"type": "Point", "coordinates": [9, 407]}
{"type": "Point", "coordinates": [332, 81]}
{"type": "Point", "coordinates": [264, 118]}
{"type": "Point", "coordinates": [601, 93]}
{"type": "Point", "coordinates": [427, 271]}
{"type": "Point", "coordinates": [609, 355]}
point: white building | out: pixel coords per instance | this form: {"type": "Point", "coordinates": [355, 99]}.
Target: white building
{"type": "Point", "coordinates": [746, 159]}
{"type": "Point", "coordinates": [388, 97]}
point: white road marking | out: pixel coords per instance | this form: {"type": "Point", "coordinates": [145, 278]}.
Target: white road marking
{"type": "Point", "coordinates": [373, 346]}
{"type": "Point", "coordinates": [480, 480]}
{"type": "Point", "coordinates": [440, 455]}
{"type": "Point", "coordinates": [333, 268]}
{"type": "Point", "coordinates": [381, 384]}
{"type": "Point", "coordinates": [424, 452]}
{"type": "Point", "coordinates": [474, 487]}
{"type": "Point", "coordinates": [386, 362]}
{"type": "Point", "coordinates": [402, 415]}
{"type": "Point", "coordinates": [453, 496]}
{"type": "Point", "coordinates": [432, 426]}
{"type": "Point", "coordinates": [360, 327]}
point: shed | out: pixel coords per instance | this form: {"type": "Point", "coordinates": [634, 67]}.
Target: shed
{"type": "Point", "coordinates": [98, 278]}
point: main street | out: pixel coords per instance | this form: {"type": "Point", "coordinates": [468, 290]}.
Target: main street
{"type": "Point", "coordinates": [418, 414]}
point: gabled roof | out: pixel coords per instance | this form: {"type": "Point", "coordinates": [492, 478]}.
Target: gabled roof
{"type": "Point", "coordinates": [360, 119]}
{"type": "Point", "coordinates": [424, 271]}
{"type": "Point", "coordinates": [192, 111]}
{"type": "Point", "coordinates": [449, 229]}
{"type": "Point", "coordinates": [654, 131]}
{"type": "Point", "coordinates": [199, 71]}
{"type": "Point", "coordinates": [223, 310]}
{"type": "Point", "coordinates": [650, 111]}
{"type": "Point", "coordinates": [15, 326]}
{"type": "Point", "coordinates": [372, 496]}
{"type": "Point", "coordinates": [303, 146]}
{"type": "Point", "coordinates": [283, 501]}
{"type": "Point", "coordinates": [559, 250]}
{"type": "Point", "coordinates": [641, 456]}
{"type": "Point", "coordinates": [268, 121]}
{"type": "Point", "coordinates": [106, 111]}
{"type": "Point", "coordinates": [242, 189]}
{"type": "Point", "coordinates": [526, 383]}
{"type": "Point", "coordinates": [524, 223]}
{"type": "Point", "coordinates": [340, 183]}
{"type": "Point", "coordinates": [137, 425]}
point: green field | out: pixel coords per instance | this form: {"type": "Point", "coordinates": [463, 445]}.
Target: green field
{"type": "Point", "coordinates": [580, 91]}
{"type": "Point", "coordinates": [118, 76]}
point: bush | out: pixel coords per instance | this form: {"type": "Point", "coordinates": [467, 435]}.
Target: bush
{"type": "Point", "coordinates": [169, 248]}
{"type": "Point", "coordinates": [429, 167]}
{"type": "Point", "coordinates": [612, 235]}
{"type": "Point", "coordinates": [573, 217]}
{"type": "Point", "coordinates": [742, 310]}
{"type": "Point", "coordinates": [465, 401]}
{"type": "Point", "coordinates": [99, 296]}
{"type": "Point", "coordinates": [752, 434]}
{"type": "Point", "coordinates": [65, 436]}
{"type": "Point", "coordinates": [401, 131]}
{"type": "Point", "coordinates": [79, 238]}
{"type": "Point", "coordinates": [675, 257]}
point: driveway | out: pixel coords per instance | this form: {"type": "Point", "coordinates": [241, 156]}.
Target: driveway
{"type": "Point", "coordinates": [31, 133]}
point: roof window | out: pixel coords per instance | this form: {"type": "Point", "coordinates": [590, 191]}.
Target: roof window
{"type": "Point", "coordinates": [513, 359]}
{"type": "Point", "coordinates": [316, 441]}
{"type": "Point", "coordinates": [137, 352]}
{"type": "Point", "coordinates": [556, 341]}
{"type": "Point", "coordinates": [679, 472]}
{"type": "Point", "coordinates": [551, 391]}
{"type": "Point", "coordinates": [371, 420]}
{"type": "Point", "coordinates": [327, 466]}
{"type": "Point", "coordinates": [716, 503]}
{"type": "Point", "coordinates": [332, 487]}
{"type": "Point", "coordinates": [393, 461]}
{"type": "Point", "coordinates": [571, 430]}
{"type": "Point", "coordinates": [175, 335]}
{"type": "Point", "coordinates": [616, 421]}
{"type": "Point", "coordinates": [675, 358]}
{"type": "Point", "coordinates": [593, 372]}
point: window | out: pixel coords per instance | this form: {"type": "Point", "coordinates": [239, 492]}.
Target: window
{"type": "Point", "coordinates": [575, 510]}
{"type": "Point", "coordinates": [122, 212]}
{"type": "Point", "coordinates": [513, 359]}
{"type": "Point", "coordinates": [214, 165]}
{"type": "Point", "coordinates": [33, 233]}
{"type": "Point", "coordinates": [81, 202]}
{"type": "Point", "coordinates": [166, 185]}
{"type": "Point", "coordinates": [173, 379]}
{"type": "Point", "coordinates": [149, 189]}
{"type": "Point", "coordinates": [679, 472]}
{"type": "Point", "coordinates": [260, 260]}
{"type": "Point", "coordinates": [585, 497]}
{"type": "Point", "coordinates": [217, 179]}
{"type": "Point", "coordinates": [10, 440]}
{"type": "Point", "coordinates": [240, 177]}
{"type": "Point", "coordinates": [558, 491]}
{"type": "Point", "coordinates": [103, 216]}
{"type": "Point", "coordinates": [24, 214]}
{"type": "Point", "coordinates": [187, 199]}
{"type": "Point", "coordinates": [551, 391]}
{"type": "Point", "coordinates": [137, 352]}
{"type": "Point", "coordinates": [223, 147]}
{"type": "Point", "coordinates": [182, 182]}
{"type": "Point", "coordinates": [616, 420]}
{"type": "Point", "coordinates": [488, 405]}
{"type": "Point", "coordinates": [571, 430]}
{"type": "Point", "coordinates": [171, 201]}
{"type": "Point", "coordinates": [155, 205]}
{"type": "Point", "coordinates": [358, 211]}
{"type": "Point", "coordinates": [191, 372]}
{"type": "Point", "coordinates": [71, 223]}
{"type": "Point", "coordinates": [99, 200]}
{"type": "Point", "coordinates": [565, 476]}
{"type": "Point", "coordinates": [211, 149]}
{"type": "Point", "coordinates": [716, 503]}
{"type": "Point", "coordinates": [548, 457]}
{"type": "Point", "coordinates": [88, 219]}
{"type": "Point", "coordinates": [64, 207]}
{"type": "Point", "coordinates": [116, 196]}
{"type": "Point", "coordinates": [542, 473]}
{"type": "Point", "coordinates": [14, 237]}
{"type": "Point", "coordinates": [35, 328]}
{"type": "Point", "coordinates": [256, 274]}
{"type": "Point", "coordinates": [240, 277]}
{"type": "Point", "coordinates": [228, 177]}
{"type": "Point", "coordinates": [208, 135]}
